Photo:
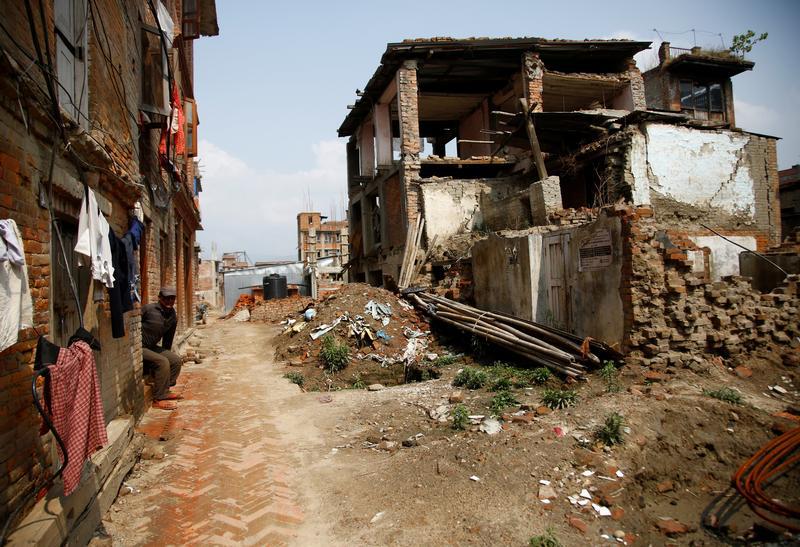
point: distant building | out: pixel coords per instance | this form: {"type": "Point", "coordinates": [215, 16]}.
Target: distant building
{"type": "Point", "coordinates": [790, 201]}
{"type": "Point", "coordinates": [321, 238]}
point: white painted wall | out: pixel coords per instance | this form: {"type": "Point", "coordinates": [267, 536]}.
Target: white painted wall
{"type": "Point", "coordinates": [451, 207]}
{"type": "Point", "coordinates": [698, 167]}
{"type": "Point", "coordinates": [724, 256]}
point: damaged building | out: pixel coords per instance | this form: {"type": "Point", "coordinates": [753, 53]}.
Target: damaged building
{"type": "Point", "coordinates": [542, 170]}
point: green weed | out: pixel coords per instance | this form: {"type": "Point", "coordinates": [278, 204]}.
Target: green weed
{"type": "Point", "coordinates": [460, 417]}
{"type": "Point", "coordinates": [610, 433]}
{"type": "Point", "coordinates": [548, 539]}
{"type": "Point", "coordinates": [725, 394]}
{"type": "Point", "coordinates": [610, 376]}
{"type": "Point", "coordinates": [444, 360]}
{"type": "Point", "coordinates": [501, 401]}
{"type": "Point", "coordinates": [471, 378]}
{"type": "Point", "coordinates": [559, 398]}
{"type": "Point", "coordinates": [334, 355]}
{"type": "Point", "coordinates": [295, 378]}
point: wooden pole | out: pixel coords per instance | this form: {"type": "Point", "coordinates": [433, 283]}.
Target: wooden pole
{"type": "Point", "coordinates": [537, 152]}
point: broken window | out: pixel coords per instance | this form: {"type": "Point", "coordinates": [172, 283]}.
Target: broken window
{"type": "Point", "coordinates": [70, 27]}
{"type": "Point", "coordinates": [155, 75]}
{"type": "Point", "coordinates": [702, 101]}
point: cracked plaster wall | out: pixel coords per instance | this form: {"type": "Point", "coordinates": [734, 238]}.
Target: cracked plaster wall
{"type": "Point", "coordinates": [704, 169]}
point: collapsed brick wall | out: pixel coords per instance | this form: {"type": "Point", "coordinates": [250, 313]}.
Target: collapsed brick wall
{"type": "Point", "coordinates": [674, 312]}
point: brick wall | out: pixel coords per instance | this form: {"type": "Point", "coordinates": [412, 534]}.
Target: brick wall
{"type": "Point", "coordinates": [674, 312]}
{"type": "Point", "coordinates": [107, 156]}
{"type": "Point", "coordinates": [532, 80]}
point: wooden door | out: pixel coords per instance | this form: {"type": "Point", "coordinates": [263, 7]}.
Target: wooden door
{"type": "Point", "coordinates": [556, 256]}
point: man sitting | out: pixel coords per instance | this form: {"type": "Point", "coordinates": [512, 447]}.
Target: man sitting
{"type": "Point", "coordinates": [158, 326]}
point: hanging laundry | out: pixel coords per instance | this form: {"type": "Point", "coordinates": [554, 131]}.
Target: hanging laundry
{"type": "Point", "coordinates": [131, 241]}
{"type": "Point", "coordinates": [76, 409]}
{"type": "Point", "coordinates": [15, 294]}
{"type": "Point", "coordinates": [93, 239]}
{"type": "Point", "coordinates": [119, 295]}
{"type": "Point", "coordinates": [176, 123]}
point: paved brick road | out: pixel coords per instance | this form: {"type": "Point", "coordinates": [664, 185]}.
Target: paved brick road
{"type": "Point", "coordinates": [227, 477]}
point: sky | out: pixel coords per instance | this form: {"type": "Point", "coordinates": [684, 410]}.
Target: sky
{"type": "Point", "coordinates": [273, 88]}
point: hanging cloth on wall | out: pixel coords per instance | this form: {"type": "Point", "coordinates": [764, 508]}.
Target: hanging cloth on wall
{"type": "Point", "coordinates": [93, 239]}
{"type": "Point", "coordinates": [76, 408]}
{"type": "Point", "coordinates": [131, 241]}
{"type": "Point", "coordinates": [119, 295]}
{"type": "Point", "coordinates": [15, 294]}
{"type": "Point", "coordinates": [176, 127]}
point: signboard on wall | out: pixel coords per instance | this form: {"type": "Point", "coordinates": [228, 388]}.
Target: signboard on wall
{"type": "Point", "coordinates": [595, 253]}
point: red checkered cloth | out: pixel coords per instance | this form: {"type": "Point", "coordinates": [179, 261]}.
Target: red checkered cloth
{"type": "Point", "coordinates": [76, 409]}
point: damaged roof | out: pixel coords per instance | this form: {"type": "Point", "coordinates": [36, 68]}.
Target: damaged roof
{"type": "Point", "coordinates": [483, 65]}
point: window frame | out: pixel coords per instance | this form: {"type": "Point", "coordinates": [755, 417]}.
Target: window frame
{"type": "Point", "coordinates": [70, 27]}
{"type": "Point", "coordinates": [190, 106]}
{"type": "Point", "coordinates": [164, 109]}
{"type": "Point", "coordinates": [708, 109]}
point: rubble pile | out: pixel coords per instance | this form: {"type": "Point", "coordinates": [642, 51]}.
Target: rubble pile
{"type": "Point", "coordinates": [388, 342]}
{"type": "Point", "coordinates": [275, 310]}
{"type": "Point", "coordinates": [678, 313]}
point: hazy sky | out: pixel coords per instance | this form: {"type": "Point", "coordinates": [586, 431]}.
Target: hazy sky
{"type": "Point", "coordinates": [273, 87]}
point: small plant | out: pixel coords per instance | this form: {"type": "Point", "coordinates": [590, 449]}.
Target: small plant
{"type": "Point", "coordinates": [358, 383]}
{"type": "Point", "coordinates": [610, 376]}
{"type": "Point", "coordinates": [611, 431]}
{"type": "Point", "coordinates": [501, 384]}
{"type": "Point", "coordinates": [743, 43]}
{"type": "Point", "coordinates": [444, 360]}
{"type": "Point", "coordinates": [334, 355]}
{"type": "Point", "coordinates": [559, 398]}
{"type": "Point", "coordinates": [548, 539]}
{"type": "Point", "coordinates": [470, 378]}
{"type": "Point", "coordinates": [501, 401]}
{"type": "Point", "coordinates": [295, 378]}
{"type": "Point", "coordinates": [460, 417]}
{"type": "Point", "coordinates": [540, 375]}
{"type": "Point", "coordinates": [725, 394]}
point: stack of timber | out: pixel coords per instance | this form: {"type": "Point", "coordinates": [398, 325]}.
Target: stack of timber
{"type": "Point", "coordinates": [539, 344]}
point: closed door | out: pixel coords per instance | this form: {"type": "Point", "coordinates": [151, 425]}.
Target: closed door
{"type": "Point", "coordinates": [555, 247]}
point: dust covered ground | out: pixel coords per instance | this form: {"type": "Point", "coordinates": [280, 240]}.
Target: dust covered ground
{"type": "Point", "coordinates": [385, 466]}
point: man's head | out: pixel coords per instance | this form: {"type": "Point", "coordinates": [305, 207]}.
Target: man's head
{"type": "Point", "coordinates": [166, 296]}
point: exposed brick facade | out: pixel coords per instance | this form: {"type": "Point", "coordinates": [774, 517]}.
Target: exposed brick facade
{"type": "Point", "coordinates": [107, 147]}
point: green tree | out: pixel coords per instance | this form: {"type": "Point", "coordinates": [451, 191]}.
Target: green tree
{"type": "Point", "coordinates": [743, 43]}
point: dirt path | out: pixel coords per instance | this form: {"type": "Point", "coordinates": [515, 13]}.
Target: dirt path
{"type": "Point", "coordinates": [250, 459]}
{"type": "Point", "coordinates": [222, 473]}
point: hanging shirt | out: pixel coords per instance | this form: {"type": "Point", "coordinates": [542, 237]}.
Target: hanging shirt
{"type": "Point", "coordinates": [76, 408]}
{"type": "Point", "coordinates": [93, 240]}
{"type": "Point", "coordinates": [15, 295]}
{"type": "Point", "coordinates": [119, 295]}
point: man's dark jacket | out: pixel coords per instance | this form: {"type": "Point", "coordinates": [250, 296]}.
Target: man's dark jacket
{"type": "Point", "coordinates": [158, 323]}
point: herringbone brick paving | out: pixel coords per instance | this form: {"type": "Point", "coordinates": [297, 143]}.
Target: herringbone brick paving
{"type": "Point", "coordinates": [226, 478]}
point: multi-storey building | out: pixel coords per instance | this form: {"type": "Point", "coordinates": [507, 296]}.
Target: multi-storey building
{"type": "Point", "coordinates": [96, 98]}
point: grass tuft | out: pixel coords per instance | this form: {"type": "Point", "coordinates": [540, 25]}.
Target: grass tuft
{"type": "Point", "coordinates": [471, 378]}
{"type": "Point", "coordinates": [295, 378]}
{"type": "Point", "coordinates": [559, 398]}
{"type": "Point", "coordinates": [334, 355]}
{"type": "Point", "coordinates": [460, 417]}
{"type": "Point", "coordinates": [610, 433]}
{"type": "Point", "coordinates": [725, 394]}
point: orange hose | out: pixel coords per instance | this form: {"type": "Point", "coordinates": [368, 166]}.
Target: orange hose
{"type": "Point", "coordinates": [768, 463]}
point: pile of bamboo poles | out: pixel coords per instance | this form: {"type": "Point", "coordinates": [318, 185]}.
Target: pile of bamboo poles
{"type": "Point", "coordinates": [546, 346]}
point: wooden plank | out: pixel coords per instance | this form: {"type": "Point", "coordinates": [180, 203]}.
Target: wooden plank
{"type": "Point", "coordinates": [537, 151]}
